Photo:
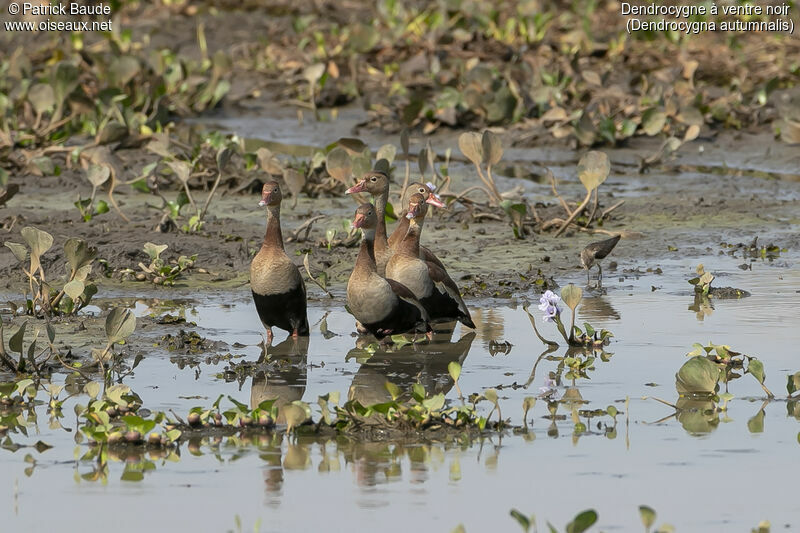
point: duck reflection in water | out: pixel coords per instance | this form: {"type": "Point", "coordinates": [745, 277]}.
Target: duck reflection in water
{"type": "Point", "coordinates": [424, 363]}
{"type": "Point", "coordinates": [284, 380]}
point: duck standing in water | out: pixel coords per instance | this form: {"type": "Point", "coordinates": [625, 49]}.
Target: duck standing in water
{"type": "Point", "coordinates": [429, 282]}
{"type": "Point", "coordinates": [278, 289]}
{"type": "Point", "coordinates": [382, 306]}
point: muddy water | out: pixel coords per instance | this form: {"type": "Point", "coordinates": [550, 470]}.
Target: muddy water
{"type": "Point", "coordinates": [672, 464]}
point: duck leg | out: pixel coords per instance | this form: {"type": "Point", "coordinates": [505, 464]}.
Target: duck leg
{"type": "Point", "coordinates": [599, 275]}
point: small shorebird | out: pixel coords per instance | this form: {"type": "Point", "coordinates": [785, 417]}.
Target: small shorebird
{"type": "Point", "coordinates": [596, 251]}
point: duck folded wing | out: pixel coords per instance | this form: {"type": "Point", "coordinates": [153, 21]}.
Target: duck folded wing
{"type": "Point", "coordinates": [429, 257]}
{"type": "Point", "coordinates": [405, 294]}
{"type": "Point", "coordinates": [445, 285]}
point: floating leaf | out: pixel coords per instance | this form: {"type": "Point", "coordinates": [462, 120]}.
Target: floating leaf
{"type": "Point", "coordinates": [339, 165]}
{"type": "Point", "coordinates": [434, 403]}
{"type": "Point", "coordinates": [698, 375]}
{"type": "Point", "coordinates": [492, 148]}
{"type": "Point", "coordinates": [471, 145]}
{"type": "Point", "coordinates": [571, 295]}
{"type": "Point", "coordinates": [593, 169]}
{"type": "Point", "coordinates": [120, 323]}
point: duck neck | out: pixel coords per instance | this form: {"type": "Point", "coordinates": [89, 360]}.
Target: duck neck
{"type": "Point", "coordinates": [273, 238]}
{"type": "Point", "coordinates": [400, 231]}
{"type": "Point", "coordinates": [410, 243]}
{"type": "Point", "coordinates": [365, 262]}
{"type": "Point", "coordinates": [381, 241]}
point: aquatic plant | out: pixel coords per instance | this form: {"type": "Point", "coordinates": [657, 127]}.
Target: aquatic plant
{"type": "Point", "coordinates": [697, 377]}
{"type": "Point", "coordinates": [41, 298]}
{"type": "Point", "coordinates": [159, 271]}
{"type": "Point", "coordinates": [571, 295]}
{"type": "Point", "coordinates": [593, 169]}
{"type": "Point", "coordinates": [702, 283]}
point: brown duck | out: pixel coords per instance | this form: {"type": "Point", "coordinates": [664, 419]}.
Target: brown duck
{"type": "Point", "coordinates": [400, 231]}
{"type": "Point", "coordinates": [382, 306]}
{"type": "Point", "coordinates": [377, 184]}
{"type": "Point", "coordinates": [428, 281]}
{"type": "Point", "coordinates": [278, 290]}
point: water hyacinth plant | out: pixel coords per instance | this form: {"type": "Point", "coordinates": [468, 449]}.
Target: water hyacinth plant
{"type": "Point", "coordinates": [571, 295]}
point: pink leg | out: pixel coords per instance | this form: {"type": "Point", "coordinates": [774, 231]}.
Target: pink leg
{"type": "Point", "coordinates": [269, 335]}
{"type": "Point", "coordinates": [295, 334]}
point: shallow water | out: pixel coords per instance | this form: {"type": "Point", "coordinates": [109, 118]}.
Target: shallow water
{"type": "Point", "coordinates": [698, 474]}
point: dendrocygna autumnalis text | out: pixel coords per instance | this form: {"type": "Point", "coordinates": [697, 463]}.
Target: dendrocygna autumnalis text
{"type": "Point", "coordinates": [382, 306]}
{"type": "Point", "coordinates": [429, 282]}
{"type": "Point", "coordinates": [278, 289]}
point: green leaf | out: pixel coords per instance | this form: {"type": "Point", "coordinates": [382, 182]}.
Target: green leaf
{"type": "Point", "coordinates": [527, 404]}
{"type": "Point", "coordinates": [756, 368]}
{"type": "Point", "coordinates": [523, 520]}
{"type": "Point", "coordinates": [92, 389]}
{"type": "Point", "coordinates": [756, 423]}
{"type": "Point", "coordinates": [571, 296]}
{"type": "Point", "coordinates": [78, 253]}
{"type": "Point", "coordinates": [582, 521]}
{"type": "Point", "coordinates": [102, 207]}
{"type": "Point", "coordinates": [653, 121]}
{"type": "Point", "coordinates": [648, 516]}
{"type": "Point", "coordinates": [394, 390]}
{"type": "Point", "coordinates": [120, 323]}
{"type": "Point", "coordinates": [454, 369]}
{"type": "Point", "coordinates": [418, 391]}
{"type": "Point", "coordinates": [793, 383]}
{"type": "Point", "coordinates": [154, 250]}
{"type": "Point", "coordinates": [15, 342]}
{"type": "Point", "coordinates": [593, 169]}
{"type": "Point", "coordinates": [38, 241]}
{"type": "Point", "coordinates": [698, 375]}
{"type": "Point", "coordinates": [434, 403]}
{"type": "Point", "coordinates": [74, 289]}
{"type": "Point", "coordinates": [294, 415]}
{"type": "Point", "coordinates": [19, 250]}
{"type": "Point", "coordinates": [491, 395]}
{"type": "Point", "coordinates": [115, 394]}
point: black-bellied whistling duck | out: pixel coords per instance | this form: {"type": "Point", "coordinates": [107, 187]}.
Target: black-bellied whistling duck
{"type": "Point", "coordinates": [400, 231]}
{"type": "Point", "coordinates": [429, 282]}
{"type": "Point", "coordinates": [377, 184]}
{"type": "Point", "coordinates": [382, 306]}
{"type": "Point", "coordinates": [278, 289]}
{"type": "Point", "coordinates": [596, 251]}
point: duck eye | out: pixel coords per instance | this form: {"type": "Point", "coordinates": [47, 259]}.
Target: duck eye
{"type": "Point", "coordinates": [373, 178]}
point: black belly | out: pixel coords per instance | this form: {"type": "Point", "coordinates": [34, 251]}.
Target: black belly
{"type": "Point", "coordinates": [403, 318]}
{"type": "Point", "coordinates": [441, 307]}
{"type": "Point", "coordinates": [286, 311]}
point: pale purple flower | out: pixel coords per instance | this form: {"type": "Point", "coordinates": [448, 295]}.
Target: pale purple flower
{"type": "Point", "coordinates": [548, 304]}
{"type": "Point", "coordinates": [549, 390]}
